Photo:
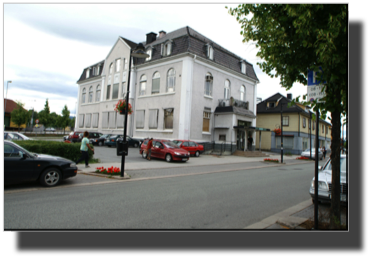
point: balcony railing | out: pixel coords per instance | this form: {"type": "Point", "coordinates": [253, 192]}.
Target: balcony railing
{"type": "Point", "coordinates": [233, 102]}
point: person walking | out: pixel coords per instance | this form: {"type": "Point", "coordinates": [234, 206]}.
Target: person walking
{"type": "Point", "coordinates": [85, 145]}
{"type": "Point", "coordinates": [148, 149]}
{"type": "Point", "coordinates": [324, 152]}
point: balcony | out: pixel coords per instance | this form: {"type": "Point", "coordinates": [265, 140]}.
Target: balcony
{"type": "Point", "coordinates": [233, 102]}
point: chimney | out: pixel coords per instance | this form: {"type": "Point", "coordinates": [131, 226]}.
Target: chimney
{"type": "Point", "coordinates": [162, 34]}
{"type": "Point", "coordinates": [289, 96]}
{"type": "Point", "coordinates": [151, 37]}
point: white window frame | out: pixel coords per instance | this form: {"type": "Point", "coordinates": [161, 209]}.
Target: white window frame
{"type": "Point", "coordinates": [125, 63]}
{"type": "Point", "coordinates": [95, 120]}
{"type": "Point", "coordinates": [210, 52]}
{"type": "Point", "coordinates": [143, 83]}
{"type": "Point", "coordinates": [170, 80]}
{"type": "Point", "coordinates": [166, 48]}
{"type": "Point", "coordinates": [140, 119]}
{"type": "Point", "coordinates": [303, 122]}
{"type": "Point", "coordinates": [98, 91]}
{"type": "Point", "coordinates": [243, 93]}
{"type": "Point", "coordinates": [227, 89]}
{"type": "Point", "coordinates": [157, 78]}
{"type": "Point", "coordinates": [88, 73]}
{"type": "Point", "coordinates": [88, 120]}
{"type": "Point", "coordinates": [111, 68]}
{"type": "Point", "coordinates": [243, 67]}
{"type": "Point", "coordinates": [94, 71]}
{"type": "Point", "coordinates": [149, 52]}
{"type": "Point", "coordinates": [105, 120]}
{"type": "Point", "coordinates": [81, 120]}
{"type": "Point", "coordinates": [206, 115]}
{"type": "Point", "coordinates": [115, 85]}
{"type": "Point", "coordinates": [90, 94]}
{"type": "Point", "coordinates": [112, 119]}
{"type": "Point", "coordinates": [168, 112]}
{"type": "Point", "coordinates": [153, 118]}
{"type": "Point", "coordinates": [208, 84]}
{"type": "Point", "coordinates": [120, 120]}
{"type": "Point", "coordinates": [117, 68]}
{"type": "Point", "coordinates": [84, 95]}
{"type": "Point", "coordinates": [285, 120]}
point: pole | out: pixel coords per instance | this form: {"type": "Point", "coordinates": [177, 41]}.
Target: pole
{"type": "Point", "coordinates": [6, 97]}
{"type": "Point", "coordinates": [282, 150]}
{"type": "Point", "coordinates": [310, 132]}
{"type": "Point", "coordinates": [316, 184]}
{"type": "Point", "coordinates": [126, 116]}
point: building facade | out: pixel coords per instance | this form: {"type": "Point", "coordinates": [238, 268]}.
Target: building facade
{"type": "Point", "coordinates": [188, 88]}
{"type": "Point", "coordinates": [299, 128]}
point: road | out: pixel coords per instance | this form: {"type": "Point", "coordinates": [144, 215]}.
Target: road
{"type": "Point", "coordinates": [220, 199]}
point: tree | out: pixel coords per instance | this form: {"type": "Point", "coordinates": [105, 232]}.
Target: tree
{"type": "Point", "coordinates": [64, 120]}
{"type": "Point", "coordinates": [19, 116]}
{"type": "Point", "coordinates": [72, 123]}
{"type": "Point", "coordinates": [44, 115]}
{"type": "Point", "coordinates": [294, 38]}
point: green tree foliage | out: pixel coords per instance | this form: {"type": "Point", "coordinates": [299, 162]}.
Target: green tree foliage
{"type": "Point", "coordinates": [19, 116]}
{"type": "Point", "coordinates": [44, 115]}
{"type": "Point", "coordinates": [64, 120]}
{"type": "Point", "coordinates": [294, 38]}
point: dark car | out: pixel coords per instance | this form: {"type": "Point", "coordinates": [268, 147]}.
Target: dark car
{"type": "Point", "coordinates": [100, 141]}
{"type": "Point", "coordinates": [47, 169]}
{"type": "Point", "coordinates": [74, 137]}
{"type": "Point", "coordinates": [111, 140]}
{"type": "Point", "coordinates": [191, 146]}
{"type": "Point", "coordinates": [132, 142]}
{"type": "Point", "coordinates": [92, 136]}
{"type": "Point", "coordinates": [165, 149]}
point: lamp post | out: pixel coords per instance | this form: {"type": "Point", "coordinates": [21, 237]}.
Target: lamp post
{"type": "Point", "coordinates": [139, 52]}
{"type": "Point", "coordinates": [6, 96]}
{"type": "Point", "coordinates": [282, 147]}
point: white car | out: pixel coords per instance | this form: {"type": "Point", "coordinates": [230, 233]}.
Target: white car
{"type": "Point", "coordinates": [15, 136]}
{"type": "Point", "coordinates": [306, 153]}
{"type": "Point", "coordinates": [50, 129]}
{"type": "Point", "coordinates": [324, 181]}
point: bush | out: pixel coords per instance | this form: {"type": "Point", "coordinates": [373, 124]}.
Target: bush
{"type": "Point", "coordinates": [69, 151]}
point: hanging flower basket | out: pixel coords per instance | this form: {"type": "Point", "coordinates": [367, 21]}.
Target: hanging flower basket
{"type": "Point", "coordinates": [120, 107]}
{"type": "Point", "coordinates": [277, 131]}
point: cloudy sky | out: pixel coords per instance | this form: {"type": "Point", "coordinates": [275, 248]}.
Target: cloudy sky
{"type": "Point", "coordinates": [46, 46]}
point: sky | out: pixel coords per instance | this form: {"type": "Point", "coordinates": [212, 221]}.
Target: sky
{"type": "Point", "coordinates": [47, 46]}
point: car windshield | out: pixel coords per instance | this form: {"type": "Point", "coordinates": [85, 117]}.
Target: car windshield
{"type": "Point", "coordinates": [176, 142]}
{"type": "Point", "coordinates": [342, 165]}
{"type": "Point", "coordinates": [170, 144]}
{"type": "Point", "coordinates": [18, 148]}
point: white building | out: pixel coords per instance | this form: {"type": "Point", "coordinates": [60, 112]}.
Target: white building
{"type": "Point", "coordinates": [189, 88]}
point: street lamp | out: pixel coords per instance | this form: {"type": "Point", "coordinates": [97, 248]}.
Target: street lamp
{"type": "Point", "coordinates": [6, 96]}
{"type": "Point", "coordinates": [140, 53]}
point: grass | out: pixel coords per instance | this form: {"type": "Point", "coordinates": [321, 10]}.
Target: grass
{"type": "Point", "coordinates": [323, 222]}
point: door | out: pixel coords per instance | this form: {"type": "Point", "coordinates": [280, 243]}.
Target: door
{"type": "Point", "coordinates": [186, 146]}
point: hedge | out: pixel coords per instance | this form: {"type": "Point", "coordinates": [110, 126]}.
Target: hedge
{"type": "Point", "coordinates": [66, 150]}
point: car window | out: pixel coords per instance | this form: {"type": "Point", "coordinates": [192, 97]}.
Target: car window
{"type": "Point", "coordinates": [170, 144]}
{"type": "Point", "coordinates": [146, 142]}
{"type": "Point", "coordinates": [10, 151]}
{"type": "Point", "coordinates": [186, 144]}
{"type": "Point", "coordinates": [193, 144]}
{"type": "Point", "coordinates": [176, 141]}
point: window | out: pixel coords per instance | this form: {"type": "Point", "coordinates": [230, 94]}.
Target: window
{"type": "Point", "coordinates": [304, 122]}
{"type": "Point", "coordinates": [111, 68]}
{"type": "Point", "coordinates": [95, 120]}
{"type": "Point", "coordinates": [313, 125]}
{"type": "Point", "coordinates": [84, 95]}
{"type": "Point", "coordinates": [285, 121]}
{"type": "Point", "coordinates": [166, 48]}
{"type": "Point", "coordinates": [323, 129]}
{"type": "Point", "coordinates": [156, 83]}
{"type": "Point", "coordinates": [168, 118]}
{"type": "Point", "coordinates": [112, 119]}
{"type": "Point", "coordinates": [108, 92]}
{"type": "Point", "coordinates": [210, 52]}
{"type": "Point", "coordinates": [105, 120]}
{"type": "Point", "coordinates": [243, 67]}
{"type": "Point", "coordinates": [124, 89]}
{"type": "Point", "coordinates": [94, 71]}
{"type": "Point", "coordinates": [125, 64]}
{"type": "Point", "coordinates": [222, 137]}
{"type": "Point", "coordinates": [327, 130]}
{"type": "Point", "coordinates": [115, 91]}
{"type": "Point", "coordinates": [142, 85]}
{"type": "Point", "coordinates": [117, 65]}
{"type": "Point", "coordinates": [120, 120]}
{"type": "Point", "coordinates": [206, 120]}
{"type": "Point", "coordinates": [149, 52]}
{"type": "Point", "coordinates": [90, 93]}
{"type": "Point", "coordinates": [208, 84]}
{"type": "Point", "coordinates": [88, 120]}
{"type": "Point", "coordinates": [81, 120]}
{"type": "Point", "coordinates": [271, 104]}
{"type": "Point", "coordinates": [227, 85]}
{"type": "Point", "coordinates": [242, 93]}
{"type": "Point", "coordinates": [171, 81]}
{"type": "Point", "coordinates": [287, 142]}
{"type": "Point", "coordinates": [153, 119]}
{"type": "Point", "coordinates": [305, 142]}
{"type": "Point", "coordinates": [140, 119]}
{"type": "Point", "coordinates": [88, 73]}
{"type": "Point", "coordinates": [98, 93]}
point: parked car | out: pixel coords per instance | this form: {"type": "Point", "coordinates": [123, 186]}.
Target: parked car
{"type": "Point", "coordinates": [47, 169]}
{"type": "Point", "coordinates": [50, 129]}
{"type": "Point", "coordinates": [91, 136]}
{"type": "Point", "coordinates": [132, 142]}
{"type": "Point", "coordinates": [324, 181]}
{"type": "Point", "coordinates": [65, 137]}
{"type": "Point", "coordinates": [306, 153]}
{"type": "Point", "coordinates": [74, 137]}
{"type": "Point", "coordinates": [111, 140]}
{"type": "Point", "coordinates": [100, 141]}
{"type": "Point", "coordinates": [165, 149]}
{"type": "Point", "coordinates": [191, 146]}
{"type": "Point", "coordinates": [15, 136]}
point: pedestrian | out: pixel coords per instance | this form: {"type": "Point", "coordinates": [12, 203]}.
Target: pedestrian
{"type": "Point", "coordinates": [148, 149]}
{"type": "Point", "coordinates": [250, 141]}
{"type": "Point", "coordinates": [324, 152]}
{"type": "Point", "coordinates": [85, 145]}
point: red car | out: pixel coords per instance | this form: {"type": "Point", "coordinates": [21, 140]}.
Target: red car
{"type": "Point", "coordinates": [165, 149]}
{"type": "Point", "coordinates": [74, 137]}
{"type": "Point", "coordinates": [191, 146]}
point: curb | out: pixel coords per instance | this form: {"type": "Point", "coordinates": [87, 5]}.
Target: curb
{"type": "Point", "coordinates": [126, 176]}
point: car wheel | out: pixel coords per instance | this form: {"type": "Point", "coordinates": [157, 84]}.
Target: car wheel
{"type": "Point", "coordinates": [135, 145]}
{"type": "Point", "coordinates": [100, 143]}
{"type": "Point", "coordinates": [168, 158]}
{"type": "Point", "coordinates": [196, 153]}
{"type": "Point", "coordinates": [50, 177]}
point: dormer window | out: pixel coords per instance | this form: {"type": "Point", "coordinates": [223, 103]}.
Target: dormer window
{"type": "Point", "coordinates": [88, 73]}
{"type": "Point", "coordinates": [94, 71]}
{"type": "Point", "coordinates": [243, 67]}
{"type": "Point", "coordinates": [166, 48]}
{"type": "Point", "coordinates": [210, 52]}
{"type": "Point", "coordinates": [271, 104]}
{"type": "Point", "coordinates": [149, 52]}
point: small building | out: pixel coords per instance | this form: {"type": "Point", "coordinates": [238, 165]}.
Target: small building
{"type": "Point", "coordinates": [298, 127]}
{"type": "Point", "coordinates": [9, 106]}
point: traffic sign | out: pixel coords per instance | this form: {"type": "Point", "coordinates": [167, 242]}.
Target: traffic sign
{"type": "Point", "coordinates": [37, 121]}
{"type": "Point", "coordinates": [314, 87]}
